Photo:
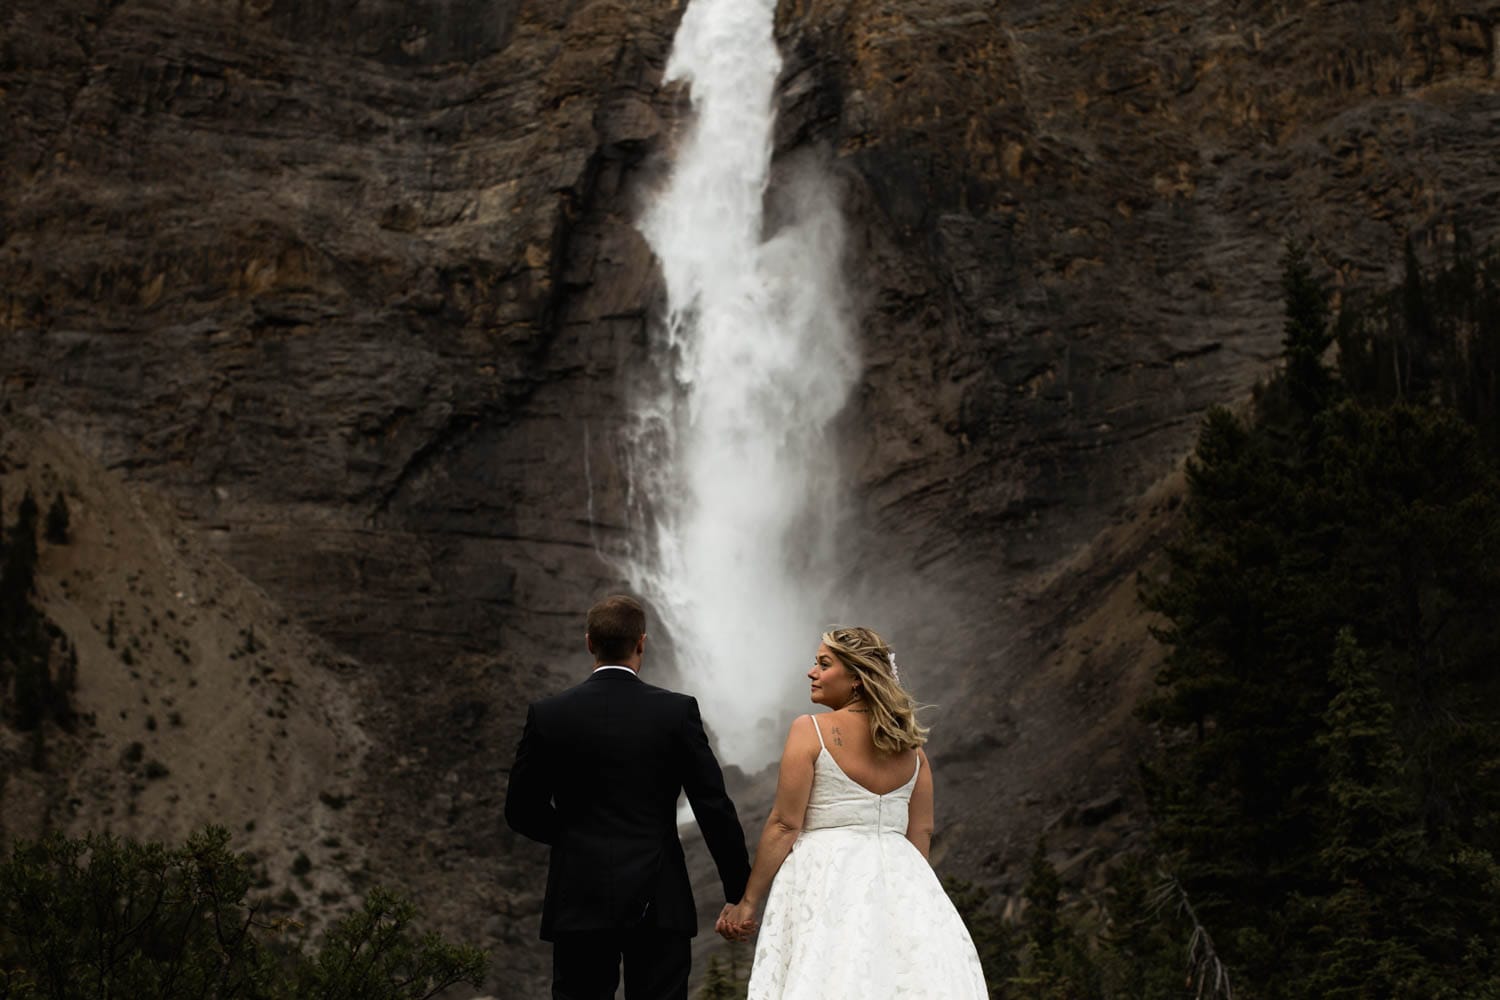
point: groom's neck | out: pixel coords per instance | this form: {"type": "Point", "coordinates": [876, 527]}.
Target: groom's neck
{"type": "Point", "coordinates": [631, 665]}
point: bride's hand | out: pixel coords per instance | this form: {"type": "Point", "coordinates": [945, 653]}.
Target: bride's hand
{"type": "Point", "coordinates": [737, 921]}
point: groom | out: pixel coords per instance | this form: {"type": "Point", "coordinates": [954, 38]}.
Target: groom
{"type": "Point", "coordinates": [597, 776]}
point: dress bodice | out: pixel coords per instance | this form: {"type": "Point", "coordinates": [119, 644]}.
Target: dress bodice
{"type": "Point", "coordinates": [837, 801]}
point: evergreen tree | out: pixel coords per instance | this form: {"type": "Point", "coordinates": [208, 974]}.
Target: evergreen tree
{"type": "Point", "coordinates": [1143, 947]}
{"type": "Point", "coordinates": [24, 646]}
{"type": "Point", "coordinates": [26, 639]}
{"type": "Point", "coordinates": [1053, 961]}
{"type": "Point", "coordinates": [1041, 919]}
{"type": "Point", "coordinates": [18, 578]}
{"type": "Point", "coordinates": [993, 938]}
{"type": "Point", "coordinates": [1375, 823]}
{"type": "Point", "coordinates": [1241, 689]}
{"type": "Point", "coordinates": [1433, 340]}
{"type": "Point", "coordinates": [1375, 837]}
{"type": "Point", "coordinates": [1306, 334]}
{"type": "Point", "coordinates": [57, 521]}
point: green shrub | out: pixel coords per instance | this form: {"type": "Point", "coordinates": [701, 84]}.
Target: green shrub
{"type": "Point", "coordinates": [103, 917]}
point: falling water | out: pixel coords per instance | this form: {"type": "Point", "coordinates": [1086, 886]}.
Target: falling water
{"type": "Point", "coordinates": [731, 463]}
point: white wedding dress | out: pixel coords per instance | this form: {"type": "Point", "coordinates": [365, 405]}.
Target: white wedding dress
{"type": "Point", "coordinates": [856, 913]}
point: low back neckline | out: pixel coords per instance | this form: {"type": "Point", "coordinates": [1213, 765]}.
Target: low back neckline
{"type": "Point", "coordinates": [845, 774]}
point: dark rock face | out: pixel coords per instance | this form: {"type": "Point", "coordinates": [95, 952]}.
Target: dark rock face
{"type": "Point", "coordinates": [309, 274]}
{"type": "Point", "coordinates": [1089, 203]}
{"type": "Point", "coordinates": [358, 288]}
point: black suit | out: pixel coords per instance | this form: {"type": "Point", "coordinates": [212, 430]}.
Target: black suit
{"type": "Point", "coordinates": [597, 776]}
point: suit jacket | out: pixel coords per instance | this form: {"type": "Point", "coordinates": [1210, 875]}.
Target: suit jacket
{"type": "Point", "coordinates": [597, 776]}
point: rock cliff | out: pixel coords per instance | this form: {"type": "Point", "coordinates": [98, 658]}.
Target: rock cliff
{"type": "Point", "coordinates": [356, 290]}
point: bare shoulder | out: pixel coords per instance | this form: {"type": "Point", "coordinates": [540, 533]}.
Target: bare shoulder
{"type": "Point", "coordinates": [801, 737]}
{"type": "Point", "coordinates": [924, 769]}
{"type": "Point", "coordinates": [801, 730]}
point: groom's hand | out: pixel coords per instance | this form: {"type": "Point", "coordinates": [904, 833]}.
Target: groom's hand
{"type": "Point", "coordinates": [736, 922]}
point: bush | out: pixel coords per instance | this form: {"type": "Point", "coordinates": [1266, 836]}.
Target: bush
{"type": "Point", "coordinates": [108, 917]}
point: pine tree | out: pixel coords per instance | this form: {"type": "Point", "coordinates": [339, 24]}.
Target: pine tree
{"type": "Point", "coordinates": [23, 644]}
{"type": "Point", "coordinates": [1306, 334]}
{"type": "Point", "coordinates": [1043, 888]}
{"type": "Point", "coordinates": [26, 640]}
{"type": "Point", "coordinates": [1241, 687]}
{"type": "Point", "coordinates": [1053, 963]}
{"type": "Point", "coordinates": [57, 521]}
{"type": "Point", "coordinates": [1375, 835]}
{"type": "Point", "coordinates": [1431, 340]}
{"type": "Point", "coordinates": [18, 578]}
{"type": "Point", "coordinates": [993, 938]}
{"type": "Point", "coordinates": [1148, 936]}
{"type": "Point", "coordinates": [1374, 819]}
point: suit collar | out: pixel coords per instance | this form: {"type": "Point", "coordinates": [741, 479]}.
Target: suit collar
{"type": "Point", "coordinates": [613, 673]}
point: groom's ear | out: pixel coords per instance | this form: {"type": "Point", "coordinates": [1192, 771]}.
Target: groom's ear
{"type": "Point", "coordinates": [588, 642]}
{"type": "Point", "coordinates": [640, 645]}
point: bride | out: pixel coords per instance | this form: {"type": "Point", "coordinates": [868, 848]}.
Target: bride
{"type": "Point", "coordinates": [852, 908]}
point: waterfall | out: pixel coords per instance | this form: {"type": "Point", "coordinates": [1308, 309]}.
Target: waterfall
{"type": "Point", "coordinates": [731, 466]}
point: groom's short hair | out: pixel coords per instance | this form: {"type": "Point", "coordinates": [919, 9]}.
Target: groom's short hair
{"type": "Point", "coordinates": [615, 625]}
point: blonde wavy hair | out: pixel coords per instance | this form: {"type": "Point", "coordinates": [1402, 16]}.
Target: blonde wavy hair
{"type": "Point", "coordinates": [893, 711]}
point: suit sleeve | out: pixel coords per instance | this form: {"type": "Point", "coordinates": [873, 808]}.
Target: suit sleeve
{"type": "Point", "coordinates": [715, 813]}
{"type": "Point", "coordinates": [528, 797]}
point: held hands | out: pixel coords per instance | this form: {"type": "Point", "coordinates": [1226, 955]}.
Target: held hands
{"type": "Point", "coordinates": [737, 921]}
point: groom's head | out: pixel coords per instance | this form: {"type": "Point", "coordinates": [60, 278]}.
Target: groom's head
{"type": "Point", "coordinates": [616, 631]}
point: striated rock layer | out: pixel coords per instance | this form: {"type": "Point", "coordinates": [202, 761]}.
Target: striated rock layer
{"type": "Point", "coordinates": [356, 288]}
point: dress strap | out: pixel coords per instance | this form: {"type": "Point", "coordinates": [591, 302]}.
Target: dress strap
{"type": "Point", "coordinates": [819, 729]}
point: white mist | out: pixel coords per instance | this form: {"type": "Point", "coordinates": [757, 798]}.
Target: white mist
{"type": "Point", "coordinates": [731, 465]}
